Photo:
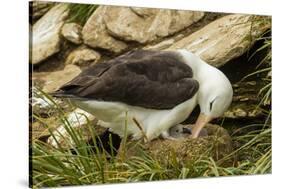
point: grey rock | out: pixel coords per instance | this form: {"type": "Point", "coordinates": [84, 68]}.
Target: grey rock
{"type": "Point", "coordinates": [94, 33]}
{"type": "Point", "coordinates": [72, 32]}
{"type": "Point", "coordinates": [83, 56]}
{"type": "Point", "coordinates": [46, 38]}
{"type": "Point", "coordinates": [39, 8]}
{"type": "Point", "coordinates": [144, 25]}
{"type": "Point", "coordinates": [223, 39]}
{"type": "Point", "coordinates": [53, 80]}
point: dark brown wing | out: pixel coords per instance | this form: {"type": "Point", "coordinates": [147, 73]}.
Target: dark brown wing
{"type": "Point", "coordinates": [151, 79]}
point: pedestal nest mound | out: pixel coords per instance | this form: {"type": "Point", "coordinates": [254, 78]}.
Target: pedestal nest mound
{"type": "Point", "coordinates": [217, 145]}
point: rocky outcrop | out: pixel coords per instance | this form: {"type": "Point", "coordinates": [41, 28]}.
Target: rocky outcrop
{"type": "Point", "coordinates": [110, 26]}
{"type": "Point", "coordinates": [72, 32]}
{"type": "Point", "coordinates": [46, 33]}
{"type": "Point", "coordinates": [83, 56]}
{"type": "Point", "coordinates": [144, 25]}
{"type": "Point", "coordinates": [53, 80]}
{"type": "Point", "coordinates": [224, 39]}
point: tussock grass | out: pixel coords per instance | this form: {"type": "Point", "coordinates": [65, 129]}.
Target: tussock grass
{"type": "Point", "coordinates": [91, 165]}
{"type": "Point", "coordinates": [81, 12]}
{"type": "Point", "coordinates": [264, 68]}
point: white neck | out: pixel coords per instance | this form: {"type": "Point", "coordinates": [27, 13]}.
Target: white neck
{"type": "Point", "coordinates": [213, 85]}
{"type": "Point", "coordinates": [201, 70]}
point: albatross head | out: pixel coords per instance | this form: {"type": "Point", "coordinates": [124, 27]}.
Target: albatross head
{"type": "Point", "coordinates": [215, 90]}
{"type": "Point", "coordinates": [214, 96]}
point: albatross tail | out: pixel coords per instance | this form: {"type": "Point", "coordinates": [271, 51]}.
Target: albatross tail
{"type": "Point", "coordinates": [63, 94]}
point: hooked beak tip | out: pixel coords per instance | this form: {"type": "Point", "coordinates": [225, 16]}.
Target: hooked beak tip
{"type": "Point", "coordinates": [200, 123]}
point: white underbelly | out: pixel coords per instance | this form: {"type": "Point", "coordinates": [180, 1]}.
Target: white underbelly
{"type": "Point", "coordinates": [117, 116]}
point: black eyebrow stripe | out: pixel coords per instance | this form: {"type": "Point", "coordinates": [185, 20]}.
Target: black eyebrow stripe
{"type": "Point", "coordinates": [211, 104]}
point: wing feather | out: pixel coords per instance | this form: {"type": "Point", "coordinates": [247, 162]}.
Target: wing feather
{"type": "Point", "coordinates": [151, 79]}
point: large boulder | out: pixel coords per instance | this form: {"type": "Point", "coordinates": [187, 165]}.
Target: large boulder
{"type": "Point", "coordinates": [46, 33]}
{"type": "Point", "coordinates": [94, 33]}
{"type": "Point", "coordinates": [110, 26]}
{"type": "Point", "coordinates": [39, 8]}
{"type": "Point", "coordinates": [145, 25]}
{"type": "Point", "coordinates": [224, 39]}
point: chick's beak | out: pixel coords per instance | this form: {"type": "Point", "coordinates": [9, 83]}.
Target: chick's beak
{"type": "Point", "coordinates": [186, 130]}
{"type": "Point", "coordinates": [202, 120]}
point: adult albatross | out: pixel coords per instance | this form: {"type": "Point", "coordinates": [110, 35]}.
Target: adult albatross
{"type": "Point", "coordinates": [151, 90]}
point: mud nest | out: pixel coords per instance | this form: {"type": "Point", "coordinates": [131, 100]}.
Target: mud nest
{"type": "Point", "coordinates": [217, 145]}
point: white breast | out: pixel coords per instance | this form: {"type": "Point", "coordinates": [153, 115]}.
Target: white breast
{"type": "Point", "coordinates": [116, 115]}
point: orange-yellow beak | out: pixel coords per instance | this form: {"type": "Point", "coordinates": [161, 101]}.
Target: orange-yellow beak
{"type": "Point", "coordinates": [202, 120]}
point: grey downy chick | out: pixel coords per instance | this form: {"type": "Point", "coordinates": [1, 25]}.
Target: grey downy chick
{"type": "Point", "coordinates": [182, 131]}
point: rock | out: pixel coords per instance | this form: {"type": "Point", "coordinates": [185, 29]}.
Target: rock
{"type": "Point", "coordinates": [41, 105]}
{"type": "Point", "coordinates": [245, 101]}
{"type": "Point", "coordinates": [244, 110]}
{"type": "Point", "coordinates": [223, 39]}
{"type": "Point", "coordinates": [46, 33]}
{"type": "Point", "coordinates": [94, 33]}
{"type": "Point", "coordinates": [72, 32]}
{"type": "Point", "coordinates": [109, 25]}
{"type": "Point", "coordinates": [217, 144]}
{"type": "Point", "coordinates": [144, 25]}
{"type": "Point", "coordinates": [39, 8]}
{"type": "Point", "coordinates": [80, 121]}
{"type": "Point", "coordinates": [164, 44]}
{"type": "Point", "coordinates": [53, 80]}
{"type": "Point", "coordinates": [236, 113]}
{"type": "Point", "coordinates": [40, 130]}
{"type": "Point", "coordinates": [83, 56]}
{"type": "Point", "coordinates": [143, 12]}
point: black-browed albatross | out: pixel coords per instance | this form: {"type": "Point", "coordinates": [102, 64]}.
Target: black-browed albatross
{"type": "Point", "coordinates": [152, 90]}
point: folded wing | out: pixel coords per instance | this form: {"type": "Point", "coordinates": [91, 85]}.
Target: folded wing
{"type": "Point", "coordinates": [150, 79]}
